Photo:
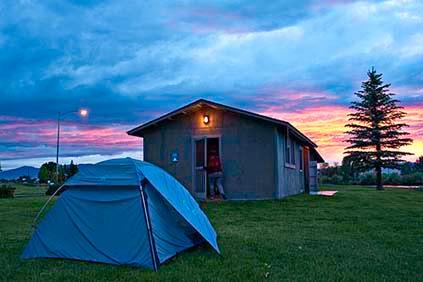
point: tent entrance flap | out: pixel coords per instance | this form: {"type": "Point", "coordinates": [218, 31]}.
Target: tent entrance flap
{"type": "Point", "coordinates": [182, 201]}
{"type": "Point", "coordinates": [171, 232]}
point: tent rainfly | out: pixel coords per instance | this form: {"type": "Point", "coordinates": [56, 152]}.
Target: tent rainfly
{"type": "Point", "coordinates": [124, 212]}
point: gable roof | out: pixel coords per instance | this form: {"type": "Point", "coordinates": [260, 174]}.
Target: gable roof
{"type": "Point", "coordinates": [198, 104]}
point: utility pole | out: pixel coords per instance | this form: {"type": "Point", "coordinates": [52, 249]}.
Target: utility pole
{"type": "Point", "coordinates": [57, 149]}
{"type": "Point", "coordinates": [82, 113]}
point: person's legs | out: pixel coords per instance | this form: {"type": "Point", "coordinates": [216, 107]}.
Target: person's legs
{"type": "Point", "coordinates": [219, 181]}
{"type": "Point", "coordinates": [211, 185]}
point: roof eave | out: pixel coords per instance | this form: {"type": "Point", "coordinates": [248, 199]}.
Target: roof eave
{"type": "Point", "coordinates": [138, 131]}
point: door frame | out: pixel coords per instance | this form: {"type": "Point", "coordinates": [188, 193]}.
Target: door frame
{"type": "Point", "coordinates": [202, 195]}
{"type": "Point", "coordinates": [306, 169]}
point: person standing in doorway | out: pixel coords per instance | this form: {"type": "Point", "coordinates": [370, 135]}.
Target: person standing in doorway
{"type": "Point", "coordinates": [215, 174]}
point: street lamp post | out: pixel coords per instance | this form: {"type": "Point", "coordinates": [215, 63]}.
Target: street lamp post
{"type": "Point", "coordinates": [81, 112]}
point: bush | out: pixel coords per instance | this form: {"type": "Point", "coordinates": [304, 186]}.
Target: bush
{"type": "Point", "coordinates": [7, 191]}
{"type": "Point", "coordinates": [335, 179]}
{"type": "Point", "coordinates": [413, 179]}
{"type": "Point", "coordinates": [52, 188]}
{"type": "Point", "coordinates": [393, 179]}
{"type": "Point", "coordinates": [367, 179]}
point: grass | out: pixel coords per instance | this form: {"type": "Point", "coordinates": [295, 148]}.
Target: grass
{"type": "Point", "coordinates": [360, 234]}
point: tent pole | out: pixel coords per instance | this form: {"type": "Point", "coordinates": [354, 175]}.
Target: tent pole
{"type": "Point", "coordinates": [149, 229]}
{"type": "Point", "coordinates": [45, 205]}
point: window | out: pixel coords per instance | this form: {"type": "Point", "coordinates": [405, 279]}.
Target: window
{"type": "Point", "coordinates": [287, 148]}
{"type": "Point", "coordinates": [290, 151]}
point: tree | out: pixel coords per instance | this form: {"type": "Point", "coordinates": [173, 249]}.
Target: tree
{"type": "Point", "coordinates": [48, 172]}
{"type": "Point", "coordinates": [43, 174]}
{"type": "Point", "coordinates": [62, 176]}
{"type": "Point", "coordinates": [324, 165]}
{"type": "Point", "coordinates": [419, 163]}
{"type": "Point", "coordinates": [73, 169]}
{"type": "Point", "coordinates": [375, 131]}
{"type": "Point", "coordinates": [349, 169]}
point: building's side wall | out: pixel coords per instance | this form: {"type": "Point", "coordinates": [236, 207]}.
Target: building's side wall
{"type": "Point", "coordinates": [161, 142]}
{"type": "Point", "coordinates": [248, 155]}
{"type": "Point", "coordinates": [290, 178]}
{"type": "Point", "coordinates": [280, 163]}
{"type": "Point", "coordinates": [247, 148]}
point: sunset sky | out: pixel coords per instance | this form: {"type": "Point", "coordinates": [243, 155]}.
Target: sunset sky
{"type": "Point", "coordinates": [131, 61]}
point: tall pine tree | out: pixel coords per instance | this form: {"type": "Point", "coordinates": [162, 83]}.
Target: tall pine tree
{"type": "Point", "coordinates": [376, 133]}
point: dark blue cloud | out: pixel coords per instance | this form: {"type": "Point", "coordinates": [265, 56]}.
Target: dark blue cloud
{"type": "Point", "coordinates": [129, 61]}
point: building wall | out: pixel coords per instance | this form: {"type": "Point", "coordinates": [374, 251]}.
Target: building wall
{"type": "Point", "coordinates": [160, 142]}
{"type": "Point", "coordinates": [294, 176]}
{"type": "Point", "coordinates": [248, 151]}
{"type": "Point", "coordinates": [248, 154]}
{"type": "Point", "coordinates": [290, 178]}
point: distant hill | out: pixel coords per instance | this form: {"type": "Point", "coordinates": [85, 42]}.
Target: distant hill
{"type": "Point", "coordinates": [13, 174]}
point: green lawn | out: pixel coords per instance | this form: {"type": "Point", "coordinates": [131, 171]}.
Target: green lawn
{"type": "Point", "coordinates": [359, 234]}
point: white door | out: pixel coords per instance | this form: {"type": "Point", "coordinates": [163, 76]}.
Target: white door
{"type": "Point", "coordinates": [313, 177]}
{"type": "Point", "coordinates": [200, 175]}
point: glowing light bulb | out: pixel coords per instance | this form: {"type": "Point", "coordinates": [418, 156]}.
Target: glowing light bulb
{"type": "Point", "coordinates": [83, 112]}
{"type": "Point", "coordinates": [206, 119]}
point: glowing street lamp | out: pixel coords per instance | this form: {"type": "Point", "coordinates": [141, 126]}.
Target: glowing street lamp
{"type": "Point", "coordinates": [82, 113]}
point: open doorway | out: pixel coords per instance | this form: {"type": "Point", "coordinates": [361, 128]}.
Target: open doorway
{"type": "Point", "coordinates": [306, 161]}
{"type": "Point", "coordinates": [213, 159]}
{"type": "Point", "coordinates": [205, 149]}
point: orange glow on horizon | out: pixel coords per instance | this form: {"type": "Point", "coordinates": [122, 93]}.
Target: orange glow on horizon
{"type": "Point", "coordinates": [325, 125]}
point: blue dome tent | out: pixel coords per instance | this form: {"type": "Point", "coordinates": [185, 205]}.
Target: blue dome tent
{"type": "Point", "coordinates": [124, 212]}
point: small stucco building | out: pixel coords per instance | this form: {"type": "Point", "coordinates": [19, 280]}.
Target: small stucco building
{"type": "Point", "coordinates": [262, 157]}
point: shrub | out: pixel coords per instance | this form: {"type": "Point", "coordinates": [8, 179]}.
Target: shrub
{"type": "Point", "coordinates": [367, 179]}
{"type": "Point", "coordinates": [7, 191]}
{"type": "Point", "coordinates": [335, 179]}
{"type": "Point", "coordinates": [413, 179]}
{"type": "Point", "coordinates": [393, 179]}
{"type": "Point", "coordinates": [52, 188]}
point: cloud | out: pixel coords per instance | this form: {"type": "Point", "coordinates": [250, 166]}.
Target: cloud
{"type": "Point", "coordinates": [23, 138]}
{"type": "Point", "coordinates": [130, 61]}
{"type": "Point", "coordinates": [325, 126]}
{"type": "Point", "coordinates": [414, 47]}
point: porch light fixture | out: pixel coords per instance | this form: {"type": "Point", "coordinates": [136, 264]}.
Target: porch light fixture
{"type": "Point", "coordinates": [206, 119]}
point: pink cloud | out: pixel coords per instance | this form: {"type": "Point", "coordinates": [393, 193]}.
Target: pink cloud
{"type": "Point", "coordinates": [325, 126]}
{"type": "Point", "coordinates": [34, 137]}
{"type": "Point", "coordinates": [204, 20]}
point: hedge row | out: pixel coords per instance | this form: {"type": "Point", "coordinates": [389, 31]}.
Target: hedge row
{"type": "Point", "coordinates": [370, 179]}
{"type": "Point", "coordinates": [7, 191]}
